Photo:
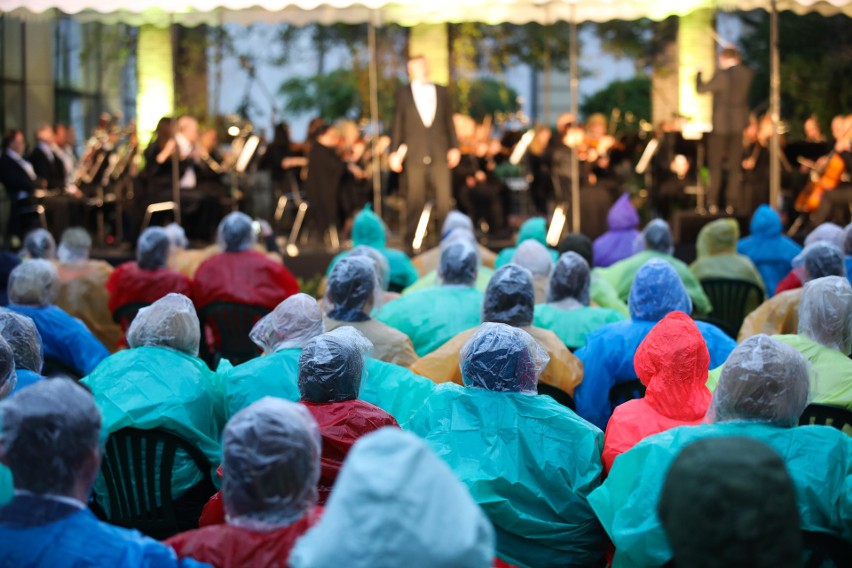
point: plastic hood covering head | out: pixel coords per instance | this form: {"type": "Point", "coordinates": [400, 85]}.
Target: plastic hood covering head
{"type": "Point", "coordinates": [353, 290]}
{"type": "Point", "coordinates": [177, 236]}
{"type": "Point", "coordinates": [765, 222]}
{"type": "Point", "coordinates": [730, 502]}
{"type": "Point", "coordinates": [571, 279]}
{"type": "Point", "coordinates": [236, 233]}
{"type": "Point", "coordinates": [39, 243]}
{"type": "Point", "coordinates": [622, 216]}
{"type": "Point", "coordinates": [579, 243]}
{"type": "Point", "coordinates": [827, 233]}
{"type": "Point", "coordinates": [49, 428]}
{"type": "Point", "coordinates": [818, 260]}
{"type": "Point", "coordinates": [825, 313]}
{"type": "Point", "coordinates": [169, 322]}
{"type": "Point", "coordinates": [22, 335]}
{"type": "Point", "coordinates": [152, 249]}
{"type": "Point", "coordinates": [456, 220]}
{"type": "Point", "coordinates": [657, 236]}
{"type": "Point", "coordinates": [763, 380]}
{"type": "Point", "coordinates": [369, 229]}
{"type": "Point", "coordinates": [8, 378]}
{"type": "Point", "coordinates": [656, 291]}
{"type": "Point", "coordinates": [509, 297]}
{"type": "Point", "coordinates": [502, 358]}
{"type": "Point", "coordinates": [271, 464]}
{"type": "Point", "coordinates": [397, 504]}
{"type": "Point", "coordinates": [617, 243]}
{"type": "Point", "coordinates": [331, 365]}
{"type": "Point", "coordinates": [33, 283]}
{"type": "Point", "coordinates": [74, 245]}
{"type": "Point", "coordinates": [533, 229]}
{"type": "Point", "coordinates": [718, 237]}
{"type": "Point", "coordinates": [535, 257]}
{"type": "Point", "coordinates": [292, 323]}
{"type": "Point", "coordinates": [380, 263]}
{"type": "Point", "coordinates": [771, 252]}
{"type": "Point", "coordinates": [459, 263]}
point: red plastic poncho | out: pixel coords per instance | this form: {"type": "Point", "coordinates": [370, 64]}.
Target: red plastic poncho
{"type": "Point", "coordinates": [341, 424]}
{"type": "Point", "coordinates": [129, 284]}
{"type": "Point", "coordinates": [672, 363]}
{"type": "Point", "coordinates": [227, 546]}
{"type": "Point", "coordinates": [246, 277]}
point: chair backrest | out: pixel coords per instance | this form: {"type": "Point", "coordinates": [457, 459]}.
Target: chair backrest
{"type": "Point", "coordinates": [822, 550]}
{"type": "Point", "coordinates": [557, 394]}
{"type": "Point", "coordinates": [624, 391]}
{"type": "Point", "coordinates": [137, 470]}
{"type": "Point", "coordinates": [124, 315]}
{"type": "Point", "coordinates": [732, 300]}
{"type": "Point", "coordinates": [825, 415]}
{"type": "Point", "coordinates": [230, 325]}
{"type": "Point", "coordinates": [54, 368]}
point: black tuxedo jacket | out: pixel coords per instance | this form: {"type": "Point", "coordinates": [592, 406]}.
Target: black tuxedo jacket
{"type": "Point", "coordinates": [424, 144]}
{"type": "Point", "coordinates": [13, 177]}
{"type": "Point", "coordinates": [52, 171]}
{"type": "Point", "coordinates": [730, 89]}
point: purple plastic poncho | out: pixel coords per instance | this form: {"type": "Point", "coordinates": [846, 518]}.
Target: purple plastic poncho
{"type": "Point", "coordinates": [617, 243]}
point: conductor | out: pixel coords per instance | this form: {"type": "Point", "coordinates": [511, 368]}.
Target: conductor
{"type": "Point", "coordinates": [730, 86]}
{"type": "Point", "coordinates": [424, 147]}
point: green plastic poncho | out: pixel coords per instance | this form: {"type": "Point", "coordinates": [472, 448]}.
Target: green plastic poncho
{"type": "Point", "coordinates": [536, 229]}
{"type": "Point", "coordinates": [717, 255]}
{"type": "Point", "coordinates": [368, 229]}
{"type": "Point", "coordinates": [620, 275]}
{"type": "Point", "coordinates": [529, 462]}
{"type": "Point", "coordinates": [394, 389]}
{"type": "Point", "coordinates": [157, 387]}
{"type": "Point", "coordinates": [818, 458]}
{"type": "Point", "coordinates": [572, 326]}
{"type": "Point", "coordinates": [605, 296]}
{"type": "Point", "coordinates": [483, 276]}
{"type": "Point", "coordinates": [433, 316]}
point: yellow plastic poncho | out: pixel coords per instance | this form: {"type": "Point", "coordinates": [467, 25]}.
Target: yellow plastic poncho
{"type": "Point", "coordinates": [83, 295]}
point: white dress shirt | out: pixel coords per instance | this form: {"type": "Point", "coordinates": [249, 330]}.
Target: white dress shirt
{"type": "Point", "coordinates": [185, 147]}
{"type": "Point", "coordinates": [25, 165]}
{"type": "Point", "coordinates": [426, 101]}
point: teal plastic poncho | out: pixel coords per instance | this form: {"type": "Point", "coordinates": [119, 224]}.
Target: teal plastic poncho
{"type": "Point", "coordinates": [536, 229]}
{"type": "Point", "coordinates": [158, 387]}
{"type": "Point", "coordinates": [368, 229]}
{"type": "Point", "coordinates": [483, 276]}
{"type": "Point", "coordinates": [818, 458]}
{"type": "Point", "coordinates": [6, 485]}
{"type": "Point", "coordinates": [529, 462]}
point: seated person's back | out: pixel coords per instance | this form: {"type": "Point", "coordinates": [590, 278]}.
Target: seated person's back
{"type": "Point", "coordinates": [770, 251]}
{"type": "Point", "coordinates": [717, 255]}
{"type": "Point", "coordinates": [21, 334]}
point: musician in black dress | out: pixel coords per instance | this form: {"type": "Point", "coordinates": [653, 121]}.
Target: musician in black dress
{"type": "Point", "coordinates": [19, 179]}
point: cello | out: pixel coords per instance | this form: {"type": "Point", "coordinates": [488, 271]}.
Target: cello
{"type": "Point", "coordinates": [822, 179]}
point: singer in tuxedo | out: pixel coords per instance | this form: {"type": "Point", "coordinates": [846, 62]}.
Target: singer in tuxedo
{"type": "Point", "coordinates": [424, 124]}
{"type": "Point", "coordinates": [730, 86]}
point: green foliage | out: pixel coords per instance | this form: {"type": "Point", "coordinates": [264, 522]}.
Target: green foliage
{"type": "Point", "coordinates": [630, 96]}
{"type": "Point", "coordinates": [487, 96]}
{"type": "Point", "coordinates": [642, 40]}
{"type": "Point", "coordinates": [330, 95]}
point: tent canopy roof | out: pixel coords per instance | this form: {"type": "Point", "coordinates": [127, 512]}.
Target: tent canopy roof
{"type": "Point", "coordinates": [405, 12]}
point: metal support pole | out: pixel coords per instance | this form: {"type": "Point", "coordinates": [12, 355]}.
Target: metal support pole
{"type": "Point", "coordinates": [374, 116]}
{"type": "Point", "coordinates": [775, 110]}
{"type": "Point", "coordinates": [575, 110]}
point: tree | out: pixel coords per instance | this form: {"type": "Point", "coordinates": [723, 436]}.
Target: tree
{"type": "Point", "coordinates": [487, 97]}
{"type": "Point", "coordinates": [632, 96]}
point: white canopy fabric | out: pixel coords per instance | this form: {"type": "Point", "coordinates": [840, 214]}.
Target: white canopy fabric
{"type": "Point", "coordinates": [405, 12]}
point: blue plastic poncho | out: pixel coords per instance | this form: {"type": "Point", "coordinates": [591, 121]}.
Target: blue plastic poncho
{"type": "Point", "coordinates": [608, 354]}
{"type": "Point", "coordinates": [617, 243]}
{"type": "Point", "coordinates": [368, 229]}
{"type": "Point", "coordinates": [536, 229]}
{"type": "Point", "coordinates": [395, 504]}
{"type": "Point", "coordinates": [771, 251]}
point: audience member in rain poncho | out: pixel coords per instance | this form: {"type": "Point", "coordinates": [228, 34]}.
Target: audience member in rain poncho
{"type": "Point", "coordinates": [780, 313]}
{"type": "Point", "coordinates": [847, 250]}
{"type": "Point", "coordinates": [617, 243]}
{"type": "Point", "coordinates": [271, 453]}
{"type": "Point", "coordinates": [353, 291]}
{"type": "Point", "coordinates": [21, 334]}
{"type": "Point", "coordinates": [8, 382]}
{"type": "Point", "coordinates": [428, 261]}
{"type": "Point", "coordinates": [432, 279]}
{"type": "Point", "coordinates": [771, 251]}
{"type": "Point", "coordinates": [657, 238]}
{"type": "Point", "coordinates": [432, 316]}
{"type": "Point", "coordinates": [82, 291]}
{"type": "Point", "coordinates": [161, 383]}
{"type": "Point", "coordinates": [824, 338]}
{"type": "Point", "coordinates": [602, 293]}
{"type": "Point", "coordinates": [672, 363]}
{"type": "Point", "coordinates": [717, 256]}
{"type": "Point", "coordinates": [609, 351]}
{"type": "Point", "coordinates": [330, 370]}
{"type": "Point", "coordinates": [535, 257]}
{"type": "Point", "coordinates": [397, 504]}
{"type": "Point", "coordinates": [508, 299]}
{"type": "Point", "coordinates": [761, 394]}
{"type": "Point", "coordinates": [50, 442]}
{"type": "Point", "coordinates": [826, 233]}
{"type": "Point", "coordinates": [38, 244]}
{"type": "Point", "coordinates": [532, 229]}
{"type": "Point", "coordinates": [368, 229]}
{"type": "Point", "coordinates": [539, 510]}
{"type": "Point", "coordinates": [380, 263]}
{"type": "Point", "coordinates": [240, 274]}
{"type": "Point", "coordinates": [148, 278]}
{"type": "Point", "coordinates": [567, 312]}
{"type": "Point", "coordinates": [730, 502]}
{"type": "Point", "coordinates": [32, 289]}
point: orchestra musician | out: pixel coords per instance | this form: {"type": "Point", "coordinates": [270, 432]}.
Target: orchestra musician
{"type": "Point", "coordinates": [834, 205]}
{"type": "Point", "coordinates": [20, 181]}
